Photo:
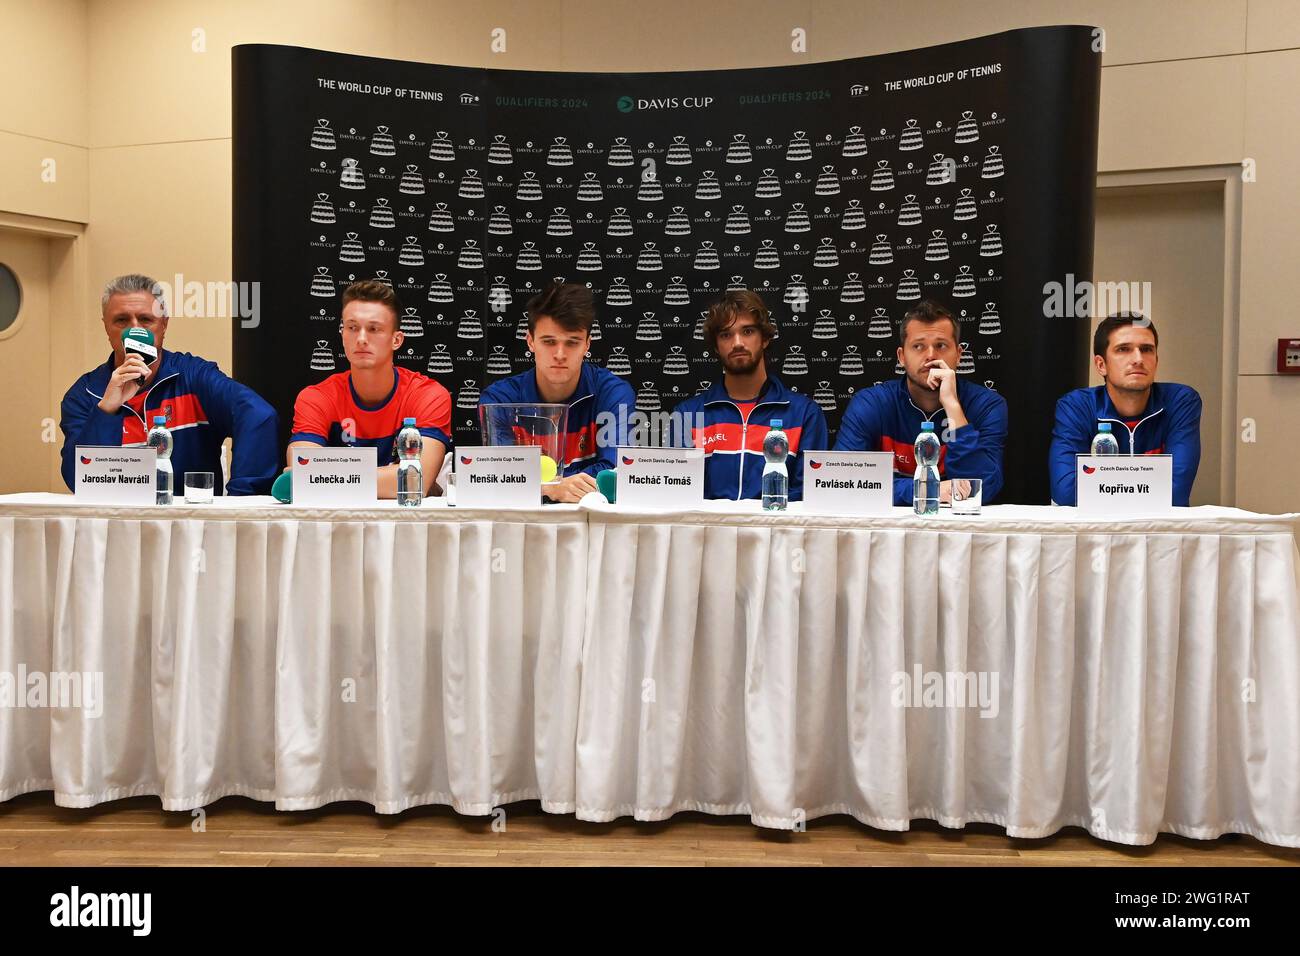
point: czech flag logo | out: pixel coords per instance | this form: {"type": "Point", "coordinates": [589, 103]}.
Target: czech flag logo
{"type": "Point", "coordinates": [628, 461]}
{"type": "Point", "coordinates": [1088, 471]}
{"type": "Point", "coordinates": [466, 461]}
{"type": "Point", "coordinates": [85, 460]}
{"type": "Point", "coordinates": [303, 461]}
{"type": "Point", "coordinates": [814, 464]}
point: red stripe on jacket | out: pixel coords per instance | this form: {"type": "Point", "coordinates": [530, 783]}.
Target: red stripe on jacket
{"type": "Point", "coordinates": [725, 436]}
{"type": "Point", "coordinates": [578, 443]}
{"type": "Point", "coordinates": [180, 410]}
{"type": "Point", "coordinates": [905, 455]}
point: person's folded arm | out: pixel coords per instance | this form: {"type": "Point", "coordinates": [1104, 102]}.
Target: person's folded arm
{"type": "Point", "coordinates": [1183, 442]}
{"type": "Point", "coordinates": [813, 436]}
{"type": "Point", "coordinates": [975, 450]}
{"type": "Point", "coordinates": [84, 423]}
{"type": "Point", "coordinates": [250, 423]}
{"type": "Point", "coordinates": [1071, 434]}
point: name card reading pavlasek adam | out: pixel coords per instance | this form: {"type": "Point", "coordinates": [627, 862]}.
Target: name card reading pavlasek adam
{"type": "Point", "coordinates": [852, 482]}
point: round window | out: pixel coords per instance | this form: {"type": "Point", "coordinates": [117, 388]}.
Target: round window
{"type": "Point", "coordinates": [11, 297]}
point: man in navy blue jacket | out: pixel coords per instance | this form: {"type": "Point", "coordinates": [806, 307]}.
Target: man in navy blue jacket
{"type": "Point", "coordinates": [203, 407]}
{"type": "Point", "coordinates": [973, 426]}
{"type": "Point", "coordinates": [731, 419]}
{"type": "Point", "coordinates": [1147, 417]}
{"type": "Point", "coordinates": [600, 403]}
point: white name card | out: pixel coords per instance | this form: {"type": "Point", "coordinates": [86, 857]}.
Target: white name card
{"type": "Point", "coordinates": [106, 474]}
{"type": "Point", "coordinates": [1124, 484]}
{"type": "Point", "coordinates": [661, 477]}
{"type": "Point", "coordinates": [848, 482]}
{"type": "Point", "coordinates": [499, 476]}
{"type": "Point", "coordinates": [334, 476]}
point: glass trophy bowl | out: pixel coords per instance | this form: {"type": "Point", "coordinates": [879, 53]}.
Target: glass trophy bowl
{"type": "Point", "coordinates": [527, 423]}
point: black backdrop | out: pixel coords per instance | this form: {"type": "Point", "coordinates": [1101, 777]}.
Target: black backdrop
{"type": "Point", "coordinates": [962, 172]}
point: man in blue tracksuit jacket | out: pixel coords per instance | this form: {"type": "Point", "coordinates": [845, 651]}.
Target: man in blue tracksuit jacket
{"type": "Point", "coordinates": [600, 403]}
{"type": "Point", "coordinates": [731, 419]}
{"type": "Point", "coordinates": [203, 407]}
{"type": "Point", "coordinates": [1147, 417]}
{"type": "Point", "coordinates": [970, 420]}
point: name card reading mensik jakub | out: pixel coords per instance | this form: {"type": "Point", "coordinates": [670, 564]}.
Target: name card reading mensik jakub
{"type": "Point", "coordinates": [499, 476]}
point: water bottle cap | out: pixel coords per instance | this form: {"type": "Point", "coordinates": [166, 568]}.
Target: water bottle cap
{"type": "Point", "coordinates": [927, 426]}
{"type": "Point", "coordinates": [407, 421]}
{"type": "Point", "coordinates": [160, 419]}
{"type": "Point", "coordinates": [776, 423]}
{"type": "Point", "coordinates": [1104, 427]}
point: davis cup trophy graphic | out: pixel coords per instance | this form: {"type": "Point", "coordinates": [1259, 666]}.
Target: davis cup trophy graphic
{"type": "Point", "coordinates": [529, 423]}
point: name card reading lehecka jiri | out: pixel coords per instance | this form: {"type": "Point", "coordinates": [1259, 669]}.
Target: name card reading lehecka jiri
{"type": "Point", "coordinates": [334, 476]}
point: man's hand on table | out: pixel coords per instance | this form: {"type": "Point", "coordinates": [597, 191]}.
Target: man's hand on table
{"type": "Point", "coordinates": [571, 489]}
{"type": "Point", "coordinates": [945, 490]}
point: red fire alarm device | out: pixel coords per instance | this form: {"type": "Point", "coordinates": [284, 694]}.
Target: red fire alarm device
{"type": "Point", "coordinates": [1288, 356]}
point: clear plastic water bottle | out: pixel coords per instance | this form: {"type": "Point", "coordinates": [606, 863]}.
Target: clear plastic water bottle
{"type": "Point", "coordinates": [925, 480]}
{"type": "Point", "coordinates": [410, 473]}
{"type": "Point", "coordinates": [160, 440]}
{"type": "Point", "coordinates": [1104, 443]}
{"type": "Point", "coordinates": [776, 480]}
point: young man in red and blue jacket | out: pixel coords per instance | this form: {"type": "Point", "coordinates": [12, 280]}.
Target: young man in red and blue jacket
{"type": "Point", "coordinates": [971, 420]}
{"type": "Point", "coordinates": [600, 403]}
{"type": "Point", "coordinates": [1147, 417]}
{"type": "Point", "coordinates": [731, 419]}
{"type": "Point", "coordinates": [203, 407]}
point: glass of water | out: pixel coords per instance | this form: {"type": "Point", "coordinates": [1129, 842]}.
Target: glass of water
{"type": "Point", "coordinates": [967, 496]}
{"type": "Point", "coordinates": [198, 487]}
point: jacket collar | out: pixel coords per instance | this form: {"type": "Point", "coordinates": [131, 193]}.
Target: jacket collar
{"type": "Point", "coordinates": [1106, 410]}
{"type": "Point", "coordinates": [584, 388]}
{"type": "Point", "coordinates": [774, 392]}
{"type": "Point", "coordinates": [906, 394]}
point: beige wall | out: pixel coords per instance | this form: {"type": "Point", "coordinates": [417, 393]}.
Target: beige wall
{"type": "Point", "coordinates": [139, 118]}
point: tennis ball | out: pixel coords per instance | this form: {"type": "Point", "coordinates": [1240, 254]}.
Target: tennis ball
{"type": "Point", "coordinates": [549, 469]}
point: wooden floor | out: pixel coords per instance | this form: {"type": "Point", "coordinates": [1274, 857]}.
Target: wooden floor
{"type": "Point", "coordinates": [240, 832]}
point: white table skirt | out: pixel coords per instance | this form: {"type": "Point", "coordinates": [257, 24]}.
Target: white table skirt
{"type": "Point", "coordinates": [641, 663]}
{"type": "Point", "coordinates": [1148, 672]}
{"type": "Point", "coordinates": [295, 655]}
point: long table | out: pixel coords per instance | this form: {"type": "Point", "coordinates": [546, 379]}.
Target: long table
{"type": "Point", "coordinates": [1025, 667]}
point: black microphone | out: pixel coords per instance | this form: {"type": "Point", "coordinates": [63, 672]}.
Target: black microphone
{"type": "Point", "coordinates": [138, 341]}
